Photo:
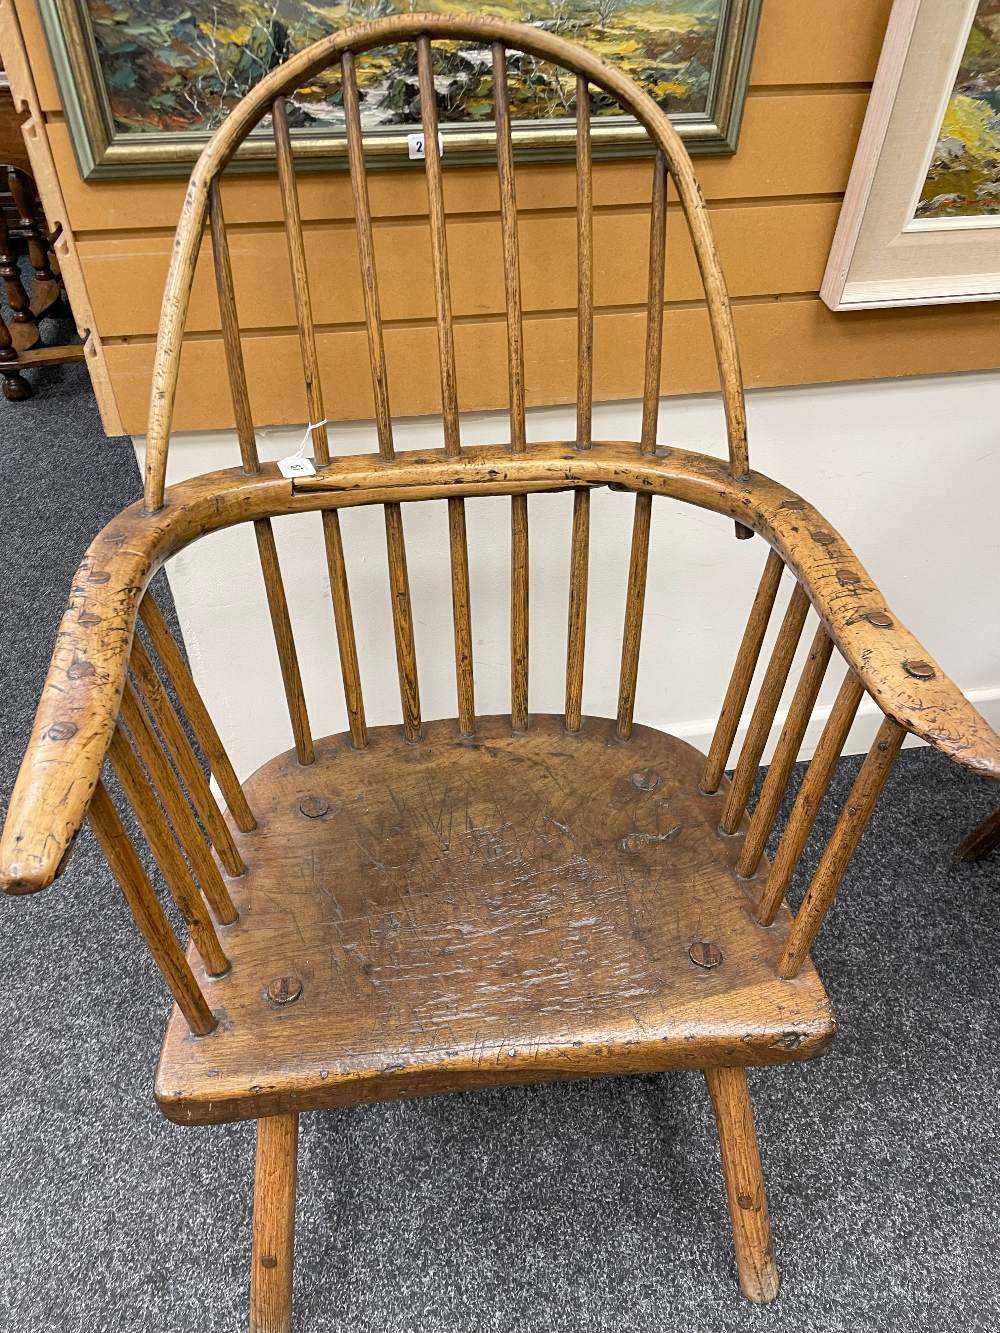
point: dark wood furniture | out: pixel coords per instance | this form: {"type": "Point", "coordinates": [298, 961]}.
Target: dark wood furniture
{"type": "Point", "coordinates": [400, 911]}
{"type": "Point", "coordinates": [22, 219]}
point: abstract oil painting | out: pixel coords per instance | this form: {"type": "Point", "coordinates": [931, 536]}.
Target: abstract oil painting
{"type": "Point", "coordinates": [146, 81]}
{"type": "Point", "coordinates": [964, 175]}
{"type": "Point", "coordinates": [170, 66]}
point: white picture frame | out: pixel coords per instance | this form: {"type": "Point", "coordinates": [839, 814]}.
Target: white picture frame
{"type": "Point", "coordinates": [882, 255]}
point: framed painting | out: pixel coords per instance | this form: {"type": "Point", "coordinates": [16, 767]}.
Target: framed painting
{"type": "Point", "coordinates": [143, 85]}
{"type": "Point", "coordinates": [920, 223]}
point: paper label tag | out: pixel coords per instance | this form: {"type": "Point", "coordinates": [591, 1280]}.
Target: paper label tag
{"type": "Point", "coordinates": [417, 147]}
{"type": "Point", "coordinates": [296, 467]}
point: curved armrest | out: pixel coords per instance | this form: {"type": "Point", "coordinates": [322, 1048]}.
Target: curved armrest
{"type": "Point", "coordinates": [82, 692]}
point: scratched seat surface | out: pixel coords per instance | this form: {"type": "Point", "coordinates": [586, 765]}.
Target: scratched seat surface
{"type": "Point", "coordinates": [461, 911]}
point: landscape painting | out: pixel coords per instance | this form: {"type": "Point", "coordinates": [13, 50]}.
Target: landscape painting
{"type": "Point", "coordinates": [144, 82]}
{"type": "Point", "coordinates": [171, 66]}
{"type": "Point", "coordinates": [963, 180]}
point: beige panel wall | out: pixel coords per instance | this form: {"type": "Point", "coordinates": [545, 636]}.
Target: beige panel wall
{"type": "Point", "coordinates": [774, 207]}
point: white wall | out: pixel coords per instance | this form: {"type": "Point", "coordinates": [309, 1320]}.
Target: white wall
{"type": "Point", "coordinates": [908, 471]}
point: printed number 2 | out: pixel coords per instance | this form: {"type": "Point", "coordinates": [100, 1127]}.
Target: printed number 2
{"type": "Point", "coordinates": [417, 147]}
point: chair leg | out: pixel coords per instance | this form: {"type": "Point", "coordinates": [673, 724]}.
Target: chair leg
{"type": "Point", "coordinates": [274, 1225]}
{"type": "Point", "coordinates": [744, 1183]}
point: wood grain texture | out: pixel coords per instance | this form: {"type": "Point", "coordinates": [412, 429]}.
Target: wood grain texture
{"type": "Point", "coordinates": [508, 908]}
{"type": "Point", "coordinates": [576, 637]}
{"type": "Point", "coordinates": [767, 249]}
{"type": "Point", "coordinates": [510, 248]}
{"type": "Point", "coordinates": [184, 758]}
{"type": "Point", "coordinates": [744, 1183]}
{"type": "Point", "coordinates": [160, 837]}
{"type": "Point", "coordinates": [786, 752]}
{"type": "Point", "coordinates": [273, 1254]}
{"type": "Point", "coordinates": [402, 621]}
{"type": "Point", "coordinates": [284, 639]}
{"type": "Point", "coordinates": [198, 716]}
{"type": "Point", "coordinates": [439, 249]}
{"type": "Point", "coordinates": [654, 305]}
{"type": "Point", "coordinates": [269, 95]}
{"type": "Point", "coordinates": [366, 257]}
{"type": "Point", "coordinates": [230, 326]}
{"type": "Point", "coordinates": [838, 851]}
{"type": "Point", "coordinates": [519, 610]}
{"type": "Point", "coordinates": [807, 800]}
{"type": "Point", "coordinates": [742, 675]}
{"type": "Point", "coordinates": [794, 143]}
{"type": "Point", "coordinates": [785, 342]}
{"type": "Point", "coordinates": [147, 913]}
{"type": "Point", "coordinates": [461, 602]}
{"type": "Point", "coordinates": [175, 806]}
{"type": "Point", "coordinates": [635, 601]}
{"type": "Point", "coordinates": [584, 267]}
{"type": "Point", "coordinates": [762, 717]}
{"type": "Point", "coordinates": [79, 703]}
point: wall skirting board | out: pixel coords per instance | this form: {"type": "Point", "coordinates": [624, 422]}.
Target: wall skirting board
{"type": "Point", "coordinates": [871, 456]}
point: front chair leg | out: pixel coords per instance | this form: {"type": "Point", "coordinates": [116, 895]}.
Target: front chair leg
{"type": "Point", "coordinates": [744, 1183]}
{"type": "Point", "coordinates": [273, 1225]}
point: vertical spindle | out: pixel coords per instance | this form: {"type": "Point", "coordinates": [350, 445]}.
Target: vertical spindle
{"type": "Point", "coordinates": [336, 567]}
{"type": "Point", "coordinates": [197, 714]}
{"type": "Point", "coordinates": [762, 717]}
{"type": "Point", "coordinates": [785, 754]}
{"type": "Point", "coordinates": [168, 857]}
{"type": "Point", "coordinates": [838, 852]}
{"type": "Point", "coordinates": [743, 669]}
{"type": "Point", "coordinates": [149, 916]}
{"type": "Point", "coordinates": [460, 592]}
{"type": "Point", "coordinates": [809, 797]}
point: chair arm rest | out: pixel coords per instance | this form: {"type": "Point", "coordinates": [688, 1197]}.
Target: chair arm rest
{"type": "Point", "coordinates": [82, 693]}
{"type": "Point", "coordinates": [76, 713]}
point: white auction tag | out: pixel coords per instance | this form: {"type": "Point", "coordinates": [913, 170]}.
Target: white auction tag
{"type": "Point", "coordinates": [417, 146]}
{"type": "Point", "coordinates": [297, 465]}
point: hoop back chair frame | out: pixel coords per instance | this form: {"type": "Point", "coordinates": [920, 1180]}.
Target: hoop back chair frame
{"type": "Point", "coordinates": [260, 1030]}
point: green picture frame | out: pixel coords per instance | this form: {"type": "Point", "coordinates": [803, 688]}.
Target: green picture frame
{"type": "Point", "coordinates": [120, 130]}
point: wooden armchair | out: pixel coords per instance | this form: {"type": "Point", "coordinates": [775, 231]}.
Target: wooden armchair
{"type": "Point", "coordinates": [395, 912]}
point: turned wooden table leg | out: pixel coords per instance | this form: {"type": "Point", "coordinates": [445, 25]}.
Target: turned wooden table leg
{"type": "Point", "coordinates": [15, 387]}
{"type": "Point", "coordinates": [744, 1183]}
{"type": "Point", "coordinates": [274, 1225]}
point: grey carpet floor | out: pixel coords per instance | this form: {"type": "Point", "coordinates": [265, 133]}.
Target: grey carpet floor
{"type": "Point", "coordinates": [592, 1206]}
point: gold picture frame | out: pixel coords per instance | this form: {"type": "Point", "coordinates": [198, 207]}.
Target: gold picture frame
{"type": "Point", "coordinates": [107, 149]}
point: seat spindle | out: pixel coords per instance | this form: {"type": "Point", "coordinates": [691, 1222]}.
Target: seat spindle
{"type": "Point", "coordinates": [149, 916]}
{"type": "Point", "coordinates": [184, 759]}
{"type": "Point", "coordinates": [577, 633]}
{"type": "Point", "coordinates": [742, 675]}
{"type": "Point", "coordinates": [519, 566]}
{"type": "Point", "coordinates": [838, 851]}
{"type": "Point", "coordinates": [180, 678]}
{"type": "Point", "coordinates": [580, 546]}
{"type": "Point", "coordinates": [274, 588]}
{"type": "Point", "coordinates": [584, 268]}
{"type": "Point", "coordinates": [785, 754]}
{"type": "Point", "coordinates": [458, 541]}
{"type": "Point", "coordinates": [809, 797]}
{"type": "Point", "coordinates": [399, 586]}
{"type": "Point", "coordinates": [635, 598]}
{"type": "Point", "coordinates": [762, 717]}
{"type": "Point", "coordinates": [175, 804]}
{"type": "Point", "coordinates": [167, 854]}
{"type": "Point", "coordinates": [333, 542]}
